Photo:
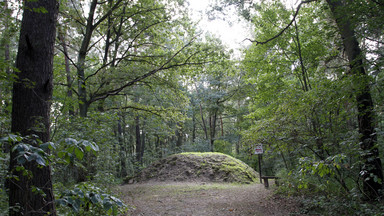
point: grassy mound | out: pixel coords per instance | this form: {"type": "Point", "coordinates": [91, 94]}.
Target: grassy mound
{"type": "Point", "coordinates": [200, 167]}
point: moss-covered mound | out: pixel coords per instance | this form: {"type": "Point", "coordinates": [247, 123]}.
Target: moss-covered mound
{"type": "Point", "coordinates": [201, 167]}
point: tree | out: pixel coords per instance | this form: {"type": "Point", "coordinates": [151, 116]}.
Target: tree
{"type": "Point", "coordinates": [372, 171]}
{"type": "Point", "coordinates": [121, 43]}
{"type": "Point", "coordinates": [32, 91]}
{"type": "Point", "coordinates": [8, 40]}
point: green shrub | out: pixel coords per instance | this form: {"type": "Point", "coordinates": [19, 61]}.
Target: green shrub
{"type": "Point", "coordinates": [88, 199]}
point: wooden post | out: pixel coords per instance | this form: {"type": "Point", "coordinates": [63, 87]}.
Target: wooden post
{"type": "Point", "coordinates": [261, 181]}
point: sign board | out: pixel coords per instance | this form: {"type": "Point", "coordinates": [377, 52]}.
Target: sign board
{"type": "Point", "coordinates": [259, 149]}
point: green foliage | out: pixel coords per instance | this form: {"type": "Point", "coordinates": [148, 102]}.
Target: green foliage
{"type": "Point", "coordinates": [88, 199]}
{"type": "Point", "coordinates": [292, 95]}
{"type": "Point", "coordinates": [25, 152]}
{"type": "Point", "coordinates": [335, 205]}
{"type": "Point", "coordinates": [200, 145]}
{"type": "Point", "coordinates": [76, 149]}
{"type": "Point", "coordinates": [4, 163]}
{"type": "Point", "coordinates": [303, 109]}
{"type": "Point", "coordinates": [223, 146]}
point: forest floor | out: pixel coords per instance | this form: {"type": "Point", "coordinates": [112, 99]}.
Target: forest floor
{"type": "Point", "coordinates": [199, 198]}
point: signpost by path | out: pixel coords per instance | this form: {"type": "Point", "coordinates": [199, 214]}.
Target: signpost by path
{"type": "Point", "coordinates": [259, 152]}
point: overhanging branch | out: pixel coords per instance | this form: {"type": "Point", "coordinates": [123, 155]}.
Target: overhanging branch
{"type": "Point", "coordinates": [284, 29]}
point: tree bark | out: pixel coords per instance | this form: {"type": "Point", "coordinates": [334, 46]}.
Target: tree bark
{"type": "Point", "coordinates": [62, 38]}
{"type": "Point", "coordinates": [372, 168]}
{"type": "Point", "coordinates": [122, 150]}
{"type": "Point", "coordinates": [82, 90]}
{"type": "Point", "coordinates": [84, 103]}
{"type": "Point", "coordinates": [203, 121]}
{"type": "Point", "coordinates": [143, 139]}
{"type": "Point", "coordinates": [32, 93]}
{"type": "Point", "coordinates": [138, 140]}
{"type": "Point", "coordinates": [212, 129]}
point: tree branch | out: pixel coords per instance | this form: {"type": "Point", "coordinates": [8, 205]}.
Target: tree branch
{"type": "Point", "coordinates": [284, 29]}
{"type": "Point", "coordinates": [162, 67]}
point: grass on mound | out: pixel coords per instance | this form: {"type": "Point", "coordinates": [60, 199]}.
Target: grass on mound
{"type": "Point", "coordinates": [197, 166]}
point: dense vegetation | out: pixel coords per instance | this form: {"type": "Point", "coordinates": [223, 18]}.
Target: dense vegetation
{"type": "Point", "coordinates": [136, 81]}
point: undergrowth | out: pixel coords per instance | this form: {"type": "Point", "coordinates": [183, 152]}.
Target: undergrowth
{"type": "Point", "coordinates": [326, 198]}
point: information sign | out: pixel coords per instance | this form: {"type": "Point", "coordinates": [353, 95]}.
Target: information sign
{"type": "Point", "coordinates": [259, 149]}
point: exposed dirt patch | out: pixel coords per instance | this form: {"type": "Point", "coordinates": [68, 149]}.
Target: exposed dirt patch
{"type": "Point", "coordinates": [184, 199]}
{"type": "Point", "coordinates": [202, 167]}
{"type": "Point", "coordinates": [198, 184]}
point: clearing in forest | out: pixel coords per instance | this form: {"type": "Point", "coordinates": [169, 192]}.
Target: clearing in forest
{"type": "Point", "coordinates": [199, 199]}
{"type": "Point", "coordinates": [201, 184]}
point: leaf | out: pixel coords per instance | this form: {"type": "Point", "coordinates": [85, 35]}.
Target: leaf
{"type": "Point", "coordinates": [78, 192]}
{"type": "Point", "coordinates": [61, 154]}
{"type": "Point", "coordinates": [21, 160]}
{"type": "Point", "coordinates": [71, 141]}
{"type": "Point", "coordinates": [40, 160]}
{"type": "Point", "coordinates": [79, 153]}
{"type": "Point", "coordinates": [76, 205]}
{"type": "Point", "coordinates": [62, 202]}
{"type": "Point", "coordinates": [107, 203]}
{"type": "Point", "coordinates": [40, 10]}
{"type": "Point", "coordinates": [68, 158]}
{"type": "Point", "coordinates": [11, 138]}
{"type": "Point", "coordinates": [117, 201]}
{"type": "Point", "coordinates": [21, 147]}
{"type": "Point", "coordinates": [48, 145]}
{"type": "Point", "coordinates": [90, 145]}
{"type": "Point", "coordinates": [96, 199]}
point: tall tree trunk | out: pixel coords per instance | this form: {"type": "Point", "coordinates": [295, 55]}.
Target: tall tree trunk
{"type": "Point", "coordinates": [222, 125]}
{"type": "Point", "coordinates": [238, 123]}
{"type": "Point", "coordinates": [372, 168]}
{"type": "Point", "coordinates": [122, 150]}
{"type": "Point", "coordinates": [82, 91]}
{"type": "Point", "coordinates": [193, 127]}
{"type": "Point", "coordinates": [62, 37]}
{"type": "Point", "coordinates": [203, 121]}
{"type": "Point", "coordinates": [143, 139]}
{"type": "Point", "coordinates": [212, 129]}
{"type": "Point", "coordinates": [32, 93]}
{"type": "Point", "coordinates": [138, 139]}
{"type": "Point", "coordinates": [304, 75]}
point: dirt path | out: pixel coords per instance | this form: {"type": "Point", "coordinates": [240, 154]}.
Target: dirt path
{"type": "Point", "coordinates": [187, 199]}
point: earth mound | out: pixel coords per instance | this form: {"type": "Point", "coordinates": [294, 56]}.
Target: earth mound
{"type": "Point", "coordinates": [197, 167]}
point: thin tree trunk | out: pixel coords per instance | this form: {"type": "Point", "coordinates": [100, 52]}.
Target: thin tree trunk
{"type": "Point", "coordinates": [304, 74]}
{"type": "Point", "coordinates": [203, 121]}
{"type": "Point", "coordinates": [122, 149]}
{"type": "Point", "coordinates": [138, 140]}
{"type": "Point", "coordinates": [32, 93]}
{"type": "Point", "coordinates": [212, 129]}
{"type": "Point", "coordinates": [142, 145]}
{"type": "Point", "coordinates": [193, 128]}
{"type": "Point", "coordinates": [372, 168]}
{"type": "Point", "coordinates": [63, 41]}
{"type": "Point", "coordinates": [222, 125]}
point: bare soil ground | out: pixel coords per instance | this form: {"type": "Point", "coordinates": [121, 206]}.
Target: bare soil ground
{"type": "Point", "coordinates": [199, 198]}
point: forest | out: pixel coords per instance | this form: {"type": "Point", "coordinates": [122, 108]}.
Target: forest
{"type": "Point", "coordinates": [93, 91]}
